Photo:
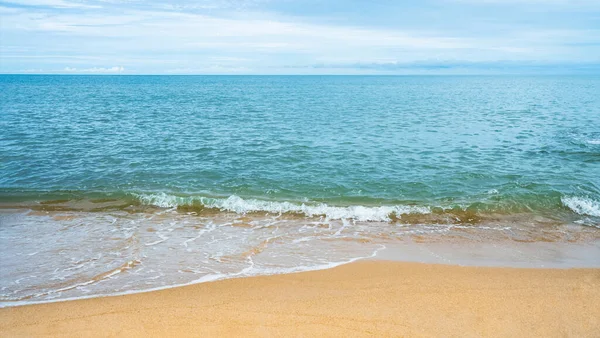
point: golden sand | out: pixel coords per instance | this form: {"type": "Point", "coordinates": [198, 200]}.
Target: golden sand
{"type": "Point", "coordinates": [371, 298]}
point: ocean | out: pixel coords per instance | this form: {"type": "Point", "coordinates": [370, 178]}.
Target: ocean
{"type": "Point", "coordinates": [116, 184]}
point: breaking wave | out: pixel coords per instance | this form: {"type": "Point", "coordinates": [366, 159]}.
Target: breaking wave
{"type": "Point", "coordinates": [473, 210]}
{"type": "Point", "coordinates": [582, 205]}
{"type": "Point", "coordinates": [242, 206]}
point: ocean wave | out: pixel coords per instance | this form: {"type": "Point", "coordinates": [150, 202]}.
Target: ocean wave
{"type": "Point", "coordinates": [595, 142]}
{"type": "Point", "coordinates": [467, 210]}
{"type": "Point", "coordinates": [582, 205]}
{"type": "Point", "coordinates": [242, 206]}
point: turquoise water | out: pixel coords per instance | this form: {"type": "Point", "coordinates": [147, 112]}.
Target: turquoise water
{"type": "Point", "coordinates": [491, 144]}
{"type": "Point", "coordinates": [116, 184]}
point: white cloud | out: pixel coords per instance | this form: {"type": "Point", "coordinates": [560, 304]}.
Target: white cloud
{"type": "Point", "coordinates": [115, 69]}
{"type": "Point", "coordinates": [53, 3]}
{"type": "Point", "coordinates": [191, 31]}
{"type": "Point", "coordinates": [214, 69]}
{"type": "Point", "coordinates": [32, 70]}
{"type": "Point", "coordinates": [143, 36]}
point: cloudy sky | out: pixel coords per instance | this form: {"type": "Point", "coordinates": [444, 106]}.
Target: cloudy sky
{"type": "Point", "coordinates": [299, 36]}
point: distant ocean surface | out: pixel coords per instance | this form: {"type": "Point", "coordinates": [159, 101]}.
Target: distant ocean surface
{"type": "Point", "coordinates": [117, 183]}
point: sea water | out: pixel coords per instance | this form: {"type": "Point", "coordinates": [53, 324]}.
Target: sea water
{"type": "Point", "coordinates": [112, 184]}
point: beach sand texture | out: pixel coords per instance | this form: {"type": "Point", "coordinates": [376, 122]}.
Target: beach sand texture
{"type": "Point", "coordinates": [367, 298]}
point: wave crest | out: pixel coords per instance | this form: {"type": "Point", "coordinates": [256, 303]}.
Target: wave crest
{"type": "Point", "coordinates": [582, 205]}
{"type": "Point", "coordinates": [242, 206]}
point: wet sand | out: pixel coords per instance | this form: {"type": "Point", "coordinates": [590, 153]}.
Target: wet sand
{"type": "Point", "coordinates": [368, 298]}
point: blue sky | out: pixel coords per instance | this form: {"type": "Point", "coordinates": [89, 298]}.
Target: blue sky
{"type": "Point", "coordinates": [299, 37]}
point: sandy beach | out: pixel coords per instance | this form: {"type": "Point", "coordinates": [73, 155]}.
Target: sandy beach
{"type": "Point", "coordinates": [368, 298]}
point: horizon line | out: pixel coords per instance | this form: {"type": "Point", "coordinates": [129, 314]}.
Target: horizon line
{"type": "Point", "coordinates": [295, 74]}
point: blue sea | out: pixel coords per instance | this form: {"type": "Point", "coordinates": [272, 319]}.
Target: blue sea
{"type": "Point", "coordinates": [112, 184]}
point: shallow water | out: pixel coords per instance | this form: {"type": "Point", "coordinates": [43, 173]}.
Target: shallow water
{"type": "Point", "coordinates": [117, 183]}
{"type": "Point", "coordinates": [67, 254]}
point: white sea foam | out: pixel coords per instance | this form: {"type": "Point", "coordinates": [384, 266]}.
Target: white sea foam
{"type": "Point", "coordinates": [582, 205]}
{"type": "Point", "coordinates": [596, 142]}
{"type": "Point", "coordinates": [242, 206]}
{"type": "Point", "coordinates": [248, 271]}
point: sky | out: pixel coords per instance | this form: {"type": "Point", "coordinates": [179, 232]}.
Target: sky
{"type": "Point", "coordinates": [300, 36]}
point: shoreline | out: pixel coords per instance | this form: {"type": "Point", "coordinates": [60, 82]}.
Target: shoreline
{"type": "Point", "coordinates": [360, 298]}
{"type": "Point", "coordinates": [211, 279]}
{"type": "Point", "coordinates": [460, 254]}
{"type": "Point", "coordinates": [118, 253]}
